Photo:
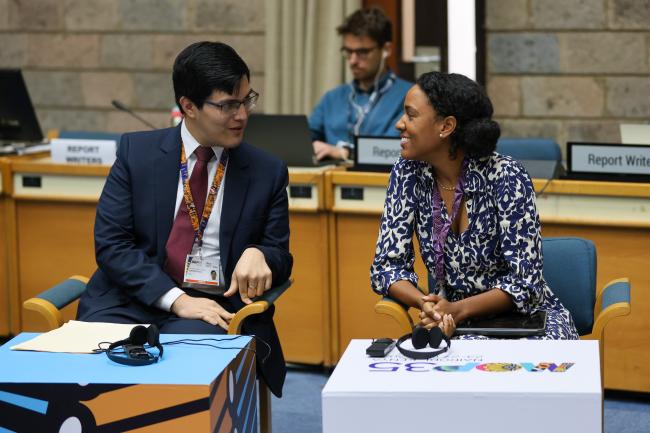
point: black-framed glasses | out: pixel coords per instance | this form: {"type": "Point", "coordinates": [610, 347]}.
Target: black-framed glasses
{"type": "Point", "coordinates": [361, 53]}
{"type": "Point", "coordinates": [231, 107]}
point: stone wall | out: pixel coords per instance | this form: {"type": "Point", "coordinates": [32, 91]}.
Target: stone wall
{"type": "Point", "coordinates": [568, 69]}
{"type": "Point", "coordinates": [78, 55]}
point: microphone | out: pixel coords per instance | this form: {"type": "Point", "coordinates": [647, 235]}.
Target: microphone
{"type": "Point", "coordinates": [117, 104]}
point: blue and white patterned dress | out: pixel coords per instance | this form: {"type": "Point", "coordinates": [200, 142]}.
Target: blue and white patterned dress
{"type": "Point", "coordinates": [500, 248]}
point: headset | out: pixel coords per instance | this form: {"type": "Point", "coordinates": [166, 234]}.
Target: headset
{"type": "Point", "coordinates": [134, 352]}
{"type": "Point", "coordinates": [420, 338]}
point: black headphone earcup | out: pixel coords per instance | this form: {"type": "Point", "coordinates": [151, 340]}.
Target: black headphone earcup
{"type": "Point", "coordinates": [138, 335]}
{"type": "Point", "coordinates": [420, 337]}
{"type": "Point", "coordinates": [153, 336]}
{"type": "Point", "coordinates": [435, 337]}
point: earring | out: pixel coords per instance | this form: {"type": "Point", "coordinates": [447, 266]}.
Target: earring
{"type": "Point", "coordinates": [441, 135]}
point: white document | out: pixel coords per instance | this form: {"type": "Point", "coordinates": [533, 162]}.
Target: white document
{"type": "Point", "coordinates": [77, 337]}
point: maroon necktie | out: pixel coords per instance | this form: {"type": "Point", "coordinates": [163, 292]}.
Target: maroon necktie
{"type": "Point", "coordinates": [181, 238]}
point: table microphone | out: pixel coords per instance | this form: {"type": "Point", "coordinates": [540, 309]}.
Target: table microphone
{"type": "Point", "coordinates": [117, 104]}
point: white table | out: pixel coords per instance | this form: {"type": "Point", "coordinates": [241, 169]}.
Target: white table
{"type": "Point", "coordinates": [490, 386]}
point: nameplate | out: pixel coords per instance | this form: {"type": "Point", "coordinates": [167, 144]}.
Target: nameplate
{"type": "Point", "coordinates": [83, 151]}
{"type": "Point", "coordinates": [612, 160]}
{"type": "Point", "coordinates": [376, 153]}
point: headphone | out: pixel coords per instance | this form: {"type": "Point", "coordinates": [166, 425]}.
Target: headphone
{"type": "Point", "coordinates": [420, 338]}
{"type": "Point", "coordinates": [134, 351]}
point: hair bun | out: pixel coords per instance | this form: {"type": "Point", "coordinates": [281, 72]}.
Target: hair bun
{"type": "Point", "coordinates": [478, 136]}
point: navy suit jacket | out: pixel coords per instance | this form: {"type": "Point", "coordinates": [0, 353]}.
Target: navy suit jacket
{"type": "Point", "coordinates": [135, 215]}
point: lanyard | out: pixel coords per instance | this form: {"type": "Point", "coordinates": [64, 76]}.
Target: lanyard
{"type": "Point", "coordinates": [199, 226]}
{"type": "Point", "coordinates": [440, 228]}
{"type": "Point", "coordinates": [361, 112]}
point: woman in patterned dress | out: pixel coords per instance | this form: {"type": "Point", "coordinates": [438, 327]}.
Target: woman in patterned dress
{"type": "Point", "coordinates": [472, 210]}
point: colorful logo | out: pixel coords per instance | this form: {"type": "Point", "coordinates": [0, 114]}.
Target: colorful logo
{"type": "Point", "coordinates": [489, 367]}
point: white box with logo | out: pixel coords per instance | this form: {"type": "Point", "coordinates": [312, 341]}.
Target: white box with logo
{"type": "Point", "coordinates": [489, 386]}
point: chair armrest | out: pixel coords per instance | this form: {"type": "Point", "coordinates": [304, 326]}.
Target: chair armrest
{"type": "Point", "coordinates": [260, 304]}
{"type": "Point", "coordinates": [49, 303]}
{"type": "Point", "coordinates": [396, 311]}
{"type": "Point", "coordinates": [613, 301]}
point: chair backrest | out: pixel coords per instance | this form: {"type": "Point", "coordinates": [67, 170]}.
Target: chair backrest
{"type": "Point", "coordinates": [570, 271]}
{"type": "Point", "coordinates": [530, 148]}
{"type": "Point", "coordinates": [90, 135]}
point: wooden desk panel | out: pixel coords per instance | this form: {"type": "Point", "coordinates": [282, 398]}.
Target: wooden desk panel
{"type": "Point", "coordinates": [4, 276]}
{"type": "Point", "coordinates": [302, 312]}
{"type": "Point", "coordinates": [356, 239]}
{"type": "Point", "coordinates": [55, 240]}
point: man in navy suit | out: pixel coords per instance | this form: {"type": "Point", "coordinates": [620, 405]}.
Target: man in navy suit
{"type": "Point", "coordinates": [184, 204]}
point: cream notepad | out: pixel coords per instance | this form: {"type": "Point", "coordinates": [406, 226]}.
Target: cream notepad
{"type": "Point", "coordinates": [77, 337]}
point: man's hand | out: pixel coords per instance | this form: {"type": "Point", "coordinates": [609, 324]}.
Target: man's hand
{"type": "Point", "coordinates": [251, 277]}
{"type": "Point", "coordinates": [324, 150]}
{"type": "Point", "coordinates": [188, 307]}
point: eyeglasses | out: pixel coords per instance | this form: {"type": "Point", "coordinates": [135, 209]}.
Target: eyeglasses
{"type": "Point", "coordinates": [361, 53]}
{"type": "Point", "coordinates": [231, 107]}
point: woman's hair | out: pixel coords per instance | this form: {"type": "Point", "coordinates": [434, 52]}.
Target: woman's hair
{"type": "Point", "coordinates": [456, 95]}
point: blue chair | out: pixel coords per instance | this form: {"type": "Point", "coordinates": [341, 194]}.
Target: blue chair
{"type": "Point", "coordinates": [530, 148]}
{"type": "Point", "coordinates": [570, 271]}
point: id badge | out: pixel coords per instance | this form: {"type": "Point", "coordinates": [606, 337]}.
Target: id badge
{"type": "Point", "coordinates": [201, 272]}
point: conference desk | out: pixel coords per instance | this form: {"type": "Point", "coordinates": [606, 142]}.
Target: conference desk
{"type": "Point", "coordinates": [52, 217]}
{"type": "Point", "coordinates": [8, 260]}
{"type": "Point", "coordinates": [615, 216]}
{"type": "Point", "coordinates": [4, 257]}
{"type": "Point", "coordinates": [334, 222]}
{"type": "Point", "coordinates": [192, 388]}
{"type": "Point", "coordinates": [507, 386]}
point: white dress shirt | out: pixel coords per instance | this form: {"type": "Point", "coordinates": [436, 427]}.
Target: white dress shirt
{"type": "Point", "coordinates": [211, 234]}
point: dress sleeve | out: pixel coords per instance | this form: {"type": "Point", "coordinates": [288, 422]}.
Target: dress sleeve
{"type": "Point", "coordinates": [519, 238]}
{"type": "Point", "coordinates": [394, 256]}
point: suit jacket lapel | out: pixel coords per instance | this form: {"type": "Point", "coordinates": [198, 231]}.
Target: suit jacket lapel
{"type": "Point", "coordinates": [166, 185]}
{"type": "Point", "coordinates": [237, 179]}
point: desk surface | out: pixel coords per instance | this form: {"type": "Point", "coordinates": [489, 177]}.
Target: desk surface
{"type": "Point", "coordinates": [181, 364]}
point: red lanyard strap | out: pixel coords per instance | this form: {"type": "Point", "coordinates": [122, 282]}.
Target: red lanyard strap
{"type": "Point", "coordinates": [199, 226]}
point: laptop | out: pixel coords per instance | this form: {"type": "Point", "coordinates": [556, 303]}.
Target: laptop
{"type": "Point", "coordinates": [286, 136]}
{"type": "Point", "coordinates": [635, 133]}
{"type": "Point", "coordinates": [506, 325]}
{"type": "Point", "coordinates": [19, 126]}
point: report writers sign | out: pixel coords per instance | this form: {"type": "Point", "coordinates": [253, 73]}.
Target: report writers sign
{"type": "Point", "coordinates": [609, 159]}
{"type": "Point", "coordinates": [77, 151]}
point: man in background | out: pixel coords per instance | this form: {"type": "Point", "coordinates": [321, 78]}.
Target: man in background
{"type": "Point", "coordinates": [369, 105]}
